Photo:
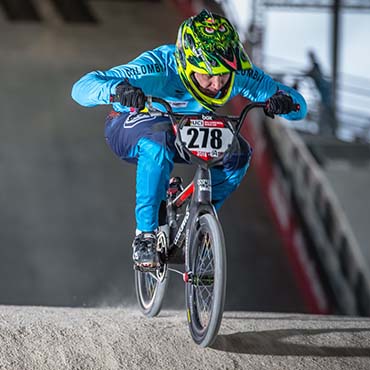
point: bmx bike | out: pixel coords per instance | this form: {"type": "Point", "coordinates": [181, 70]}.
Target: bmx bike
{"type": "Point", "coordinates": [191, 235]}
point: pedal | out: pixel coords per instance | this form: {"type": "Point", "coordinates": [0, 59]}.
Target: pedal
{"type": "Point", "coordinates": [146, 268]}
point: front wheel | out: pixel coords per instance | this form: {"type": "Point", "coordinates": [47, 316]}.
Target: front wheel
{"type": "Point", "coordinates": [206, 288]}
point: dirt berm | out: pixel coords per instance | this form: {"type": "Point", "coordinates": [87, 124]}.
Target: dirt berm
{"type": "Point", "coordinates": [120, 338]}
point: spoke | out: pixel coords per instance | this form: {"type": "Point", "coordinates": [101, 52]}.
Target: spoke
{"type": "Point", "coordinates": [206, 299]}
{"type": "Point", "coordinates": [205, 310]}
{"type": "Point", "coordinates": [150, 284]}
{"type": "Point", "coordinates": [204, 276]}
{"type": "Point", "coordinates": [203, 244]}
{"type": "Point", "coordinates": [206, 268]}
{"type": "Point", "coordinates": [208, 250]}
{"type": "Point", "coordinates": [206, 292]}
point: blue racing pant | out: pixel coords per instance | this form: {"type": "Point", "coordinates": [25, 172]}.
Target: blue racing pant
{"type": "Point", "coordinates": [136, 138]}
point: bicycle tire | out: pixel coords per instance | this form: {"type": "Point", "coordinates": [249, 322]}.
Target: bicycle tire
{"type": "Point", "coordinates": [207, 276]}
{"type": "Point", "coordinates": [150, 291]}
{"type": "Point", "coordinates": [150, 287]}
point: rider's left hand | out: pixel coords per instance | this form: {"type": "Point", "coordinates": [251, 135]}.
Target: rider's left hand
{"type": "Point", "coordinates": [279, 103]}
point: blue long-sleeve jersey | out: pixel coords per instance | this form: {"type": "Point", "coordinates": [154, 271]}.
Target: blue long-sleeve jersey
{"type": "Point", "coordinates": [155, 72]}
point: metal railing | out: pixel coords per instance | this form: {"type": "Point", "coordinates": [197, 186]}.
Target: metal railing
{"type": "Point", "coordinates": [334, 243]}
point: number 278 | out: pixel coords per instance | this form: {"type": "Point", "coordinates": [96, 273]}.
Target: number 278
{"type": "Point", "coordinates": [215, 136]}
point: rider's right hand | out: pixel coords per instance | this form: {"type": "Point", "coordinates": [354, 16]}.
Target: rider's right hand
{"type": "Point", "coordinates": [129, 96]}
{"type": "Point", "coordinates": [279, 103]}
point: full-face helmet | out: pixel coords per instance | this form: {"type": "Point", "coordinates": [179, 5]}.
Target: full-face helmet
{"type": "Point", "coordinates": [208, 44]}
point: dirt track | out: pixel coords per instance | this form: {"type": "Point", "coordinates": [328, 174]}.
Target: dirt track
{"type": "Point", "coordinates": [60, 338]}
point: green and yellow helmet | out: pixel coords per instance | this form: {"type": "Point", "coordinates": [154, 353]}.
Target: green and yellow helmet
{"type": "Point", "coordinates": [208, 43]}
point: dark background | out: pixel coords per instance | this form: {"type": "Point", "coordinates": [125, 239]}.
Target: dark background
{"type": "Point", "coordinates": [66, 202]}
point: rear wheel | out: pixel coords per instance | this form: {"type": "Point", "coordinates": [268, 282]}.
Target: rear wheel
{"type": "Point", "coordinates": [150, 290]}
{"type": "Point", "coordinates": [205, 291]}
{"type": "Point", "coordinates": [150, 286]}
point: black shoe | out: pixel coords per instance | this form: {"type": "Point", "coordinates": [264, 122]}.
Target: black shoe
{"type": "Point", "coordinates": [145, 250]}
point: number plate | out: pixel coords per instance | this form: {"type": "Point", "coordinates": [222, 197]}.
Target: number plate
{"type": "Point", "coordinates": [207, 139]}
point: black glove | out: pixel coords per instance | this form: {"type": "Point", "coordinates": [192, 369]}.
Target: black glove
{"type": "Point", "coordinates": [279, 103]}
{"type": "Point", "coordinates": [129, 96]}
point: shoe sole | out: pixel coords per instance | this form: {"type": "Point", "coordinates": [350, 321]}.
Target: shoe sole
{"type": "Point", "coordinates": [146, 267]}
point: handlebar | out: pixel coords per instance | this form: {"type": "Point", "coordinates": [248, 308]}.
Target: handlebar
{"type": "Point", "coordinates": [152, 99]}
{"type": "Point", "coordinates": [237, 119]}
{"type": "Point", "coordinates": [177, 116]}
{"type": "Point", "coordinates": [179, 120]}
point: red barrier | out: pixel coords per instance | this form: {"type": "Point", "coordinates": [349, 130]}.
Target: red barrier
{"type": "Point", "coordinates": [284, 218]}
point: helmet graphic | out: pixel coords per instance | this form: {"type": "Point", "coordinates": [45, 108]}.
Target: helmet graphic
{"type": "Point", "coordinates": [208, 44]}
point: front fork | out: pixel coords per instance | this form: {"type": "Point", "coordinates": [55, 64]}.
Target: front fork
{"type": "Point", "coordinates": [202, 187]}
{"type": "Point", "coordinates": [201, 203]}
